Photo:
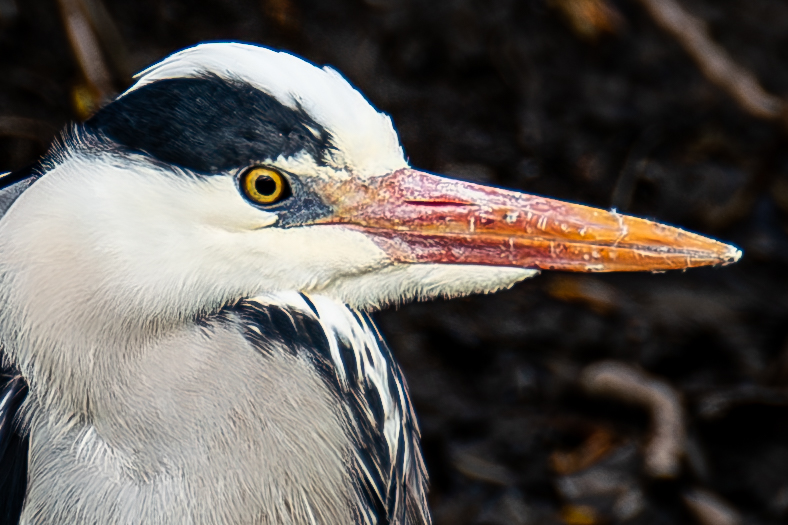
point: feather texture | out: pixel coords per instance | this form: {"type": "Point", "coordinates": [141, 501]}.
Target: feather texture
{"type": "Point", "coordinates": [357, 365]}
{"type": "Point", "coordinates": [283, 408]}
{"type": "Point", "coordinates": [13, 446]}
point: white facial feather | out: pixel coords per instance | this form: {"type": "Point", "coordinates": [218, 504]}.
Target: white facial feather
{"type": "Point", "coordinates": [365, 141]}
{"type": "Point", "coordinates": [402, 283]}
{"type": "Point", "coordinates": [145, 243]}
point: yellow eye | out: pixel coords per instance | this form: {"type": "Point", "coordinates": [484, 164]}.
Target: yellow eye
{"type": "Point", "coordinates": [264, 186]}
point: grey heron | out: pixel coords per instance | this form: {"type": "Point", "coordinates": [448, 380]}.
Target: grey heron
{"type": "Point", "coordinates": [185, 283]}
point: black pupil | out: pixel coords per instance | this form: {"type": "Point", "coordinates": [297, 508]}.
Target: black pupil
{"type": "Point", "coordinates": [265, 185]}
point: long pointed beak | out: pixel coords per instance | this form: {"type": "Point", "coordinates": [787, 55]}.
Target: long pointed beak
{"type": "Point", "coordinates": [418, 217]}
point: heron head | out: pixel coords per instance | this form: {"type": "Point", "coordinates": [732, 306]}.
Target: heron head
{"type": "Point", "coordinates": [231, 170]}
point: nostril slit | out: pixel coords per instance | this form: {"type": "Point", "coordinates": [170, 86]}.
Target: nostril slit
{"type": "Point", "coordinates": [438, 203]}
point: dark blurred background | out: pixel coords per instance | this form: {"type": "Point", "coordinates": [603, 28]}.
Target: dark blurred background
{"type": "Point", "coordinates": [594, 101]}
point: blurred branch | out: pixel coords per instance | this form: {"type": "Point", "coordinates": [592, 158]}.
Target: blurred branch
{"type": "Point", "coordinates": [709, 509]}
{"type": "Point", "coordinates": [715, 63]}
{"type": "Point", "coordinates": [597, 446]}
{"type": "Point", "coordinates": [472, 465]}
{"type": "Point", "coordinates": [109, 37]}
{"type": "Point", "coordinates": [631, 385]}
{"type": "Point", "coordinates": [86, 48]}
{"type": "Point", "coordinates": [589, 19]}
{"type": "Point", "coordinates": [597, 295]}
{"type": "Point", "coordinates": [720, 401]}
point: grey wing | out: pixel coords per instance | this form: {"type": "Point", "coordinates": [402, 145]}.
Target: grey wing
{"type": "Point", "coordinates": [13, 446]}
{"type": "Point", "coordinates": [13, 388]}
{"type": "Point", "coordinates": [403, 477]}
{"type": "Point", "coordinates": [363, 374]}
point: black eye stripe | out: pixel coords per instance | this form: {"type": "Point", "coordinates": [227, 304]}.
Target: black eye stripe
{"type": "Point", "coordinates": [209, 125]}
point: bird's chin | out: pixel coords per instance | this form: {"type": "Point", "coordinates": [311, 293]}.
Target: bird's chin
{"type": "Point", "coordinates": [403, 283]}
